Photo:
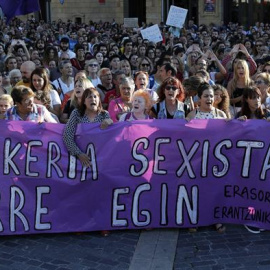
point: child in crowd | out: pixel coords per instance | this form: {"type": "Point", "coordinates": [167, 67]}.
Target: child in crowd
{"type": "Point", "coordinates": [6, 102]}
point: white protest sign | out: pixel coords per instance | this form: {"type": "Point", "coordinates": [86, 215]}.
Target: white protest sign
{"type": "Point", "coordinates": [131, 22]}
{"type": "Point", "coordinates": [176, 16]}
{"type": "Point", "coordinates": [152, 33]}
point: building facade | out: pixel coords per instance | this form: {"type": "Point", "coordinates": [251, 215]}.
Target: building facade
{"type": "Point", "coordinates": [246, 12]}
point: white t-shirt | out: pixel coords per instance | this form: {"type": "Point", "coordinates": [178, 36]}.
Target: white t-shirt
{"type": "Point", "coordinates": [69, 52]}
{"type": "Point", "coordinates": [58, 83]}
{"type": "Point", "coordinates": [96, 81]}
{"type": "Point", "coordinates": [267, 103]}
{"type": "Point", "coordinates": [55, 99]}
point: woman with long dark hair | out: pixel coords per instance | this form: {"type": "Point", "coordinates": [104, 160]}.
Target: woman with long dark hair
{"type": "Point", "coordinates": [206, 109]}
{"type": "Point", "coordinates": [252, 106]}
{"type": "Point", "coordinates": [40, 81]}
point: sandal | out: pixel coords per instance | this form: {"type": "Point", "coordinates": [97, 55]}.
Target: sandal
{"type": "Point", "coordinates": [220, 228]}
{"type": "Point", "coordinates": [192, 230]}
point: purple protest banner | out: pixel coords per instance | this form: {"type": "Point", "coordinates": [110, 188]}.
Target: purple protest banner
{"type": "Point", "coordinates": [18, 7]}
{"type": "Point", "coordinates": [145, 174]}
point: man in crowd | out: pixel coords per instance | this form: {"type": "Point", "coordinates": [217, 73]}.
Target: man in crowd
{"type": "Point", "coordinates": [64, 47]}
{"type": "Point", "coordinates": [66, 82]}
{"type": "Point", "coordinates": [26, 69]}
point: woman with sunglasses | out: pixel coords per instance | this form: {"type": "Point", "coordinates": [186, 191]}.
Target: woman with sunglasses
{"type": "Point", "coordinates": [171, 97]}
{"type": "Point", "coordinates": [145, 64]}
{"type": "Point", "coordinates": [92, 68]}
{"type": "Point", "coordinates": [262, 81]}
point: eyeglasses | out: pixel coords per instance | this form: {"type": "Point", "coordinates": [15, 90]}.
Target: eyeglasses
{"type": "Point", "coordinates": [145, 65]}
{"type": "Point", "coordinates": [93, 65]}
{"type": "Point", "coordinates": [169, 87]}
{"type": "Point", "coordinates": [259, 82]}
{"type": "Point", "coordinates": [28, 100]}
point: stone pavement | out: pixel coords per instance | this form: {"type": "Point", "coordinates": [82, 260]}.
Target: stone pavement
{"type": "Point", "coordinates": [121, 250]}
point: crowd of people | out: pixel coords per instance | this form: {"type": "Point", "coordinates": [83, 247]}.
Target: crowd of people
{"type": "Point", "coordinates": [103, 72]}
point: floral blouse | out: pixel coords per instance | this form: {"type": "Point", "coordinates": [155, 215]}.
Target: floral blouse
{"type": "Point", "coordinates": [71, 126]}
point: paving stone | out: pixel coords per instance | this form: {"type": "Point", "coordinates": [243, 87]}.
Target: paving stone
{"type": "Point", "coordinates": [5, 262]}
{"type": "Point", "coordinates": [49, 266]}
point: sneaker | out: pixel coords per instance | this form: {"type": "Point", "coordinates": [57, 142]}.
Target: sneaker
{"type": "Point", "coordinates": [253, 229]}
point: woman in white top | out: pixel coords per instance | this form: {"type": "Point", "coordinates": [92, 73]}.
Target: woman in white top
{"type": "Point", "coordinates": [92, 67]}
{"type": "Point", "coordinates": [40, 81]}
{"type": "Point", "coordinates": [262, 81]}
{"type": "Point", "coordinates": [206, 109]}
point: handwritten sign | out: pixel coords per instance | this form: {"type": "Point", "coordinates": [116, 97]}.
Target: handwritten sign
{"type": "Point", "coordinates": [131, 22]}
{"type": "Point", "coordinates": [176, 16]}
{"type": "Point", "coordinates": [152, 33]}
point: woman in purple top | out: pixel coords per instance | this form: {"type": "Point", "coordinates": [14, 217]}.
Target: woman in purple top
{"type": "Point", "coordinates": [122, 104]}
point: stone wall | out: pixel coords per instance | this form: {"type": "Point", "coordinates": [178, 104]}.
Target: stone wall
{"type": "Point", "coordinates": [153, 11]}
{"type": "Point", "coordinates": [87, 10]}
{"type": "Point", "coordinates": [114, 9]}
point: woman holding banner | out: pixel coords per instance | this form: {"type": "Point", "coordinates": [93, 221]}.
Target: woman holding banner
{"type": "Point", "coordinates": [25, 109]}
{"type": "Point", "coordinates": [252, 106]}
{"type": "Point", "coordinates": [252, 109]}
{"type": "Point", "coordinates": [206, 110]}
{"type": "Point", "coordinates": [75, 99]}
{"type": "Point", "coordinates": [89, 111]}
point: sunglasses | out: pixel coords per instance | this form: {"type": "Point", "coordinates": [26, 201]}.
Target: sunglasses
{"type": "Point", "coordinates": [266, 70]}
{"type": "Point", "coordinates": [93, 65]}
{"type": "Point", "coordinates": [4, 74]}
{"type": "Point", "coordinates": [169, 87]}
{"type": "Point", "coordinates": [258, 45]}
{"type": "Point", "coordinates": [145, 65]}
{"type": "Point", "coordinates": [259, 82]}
